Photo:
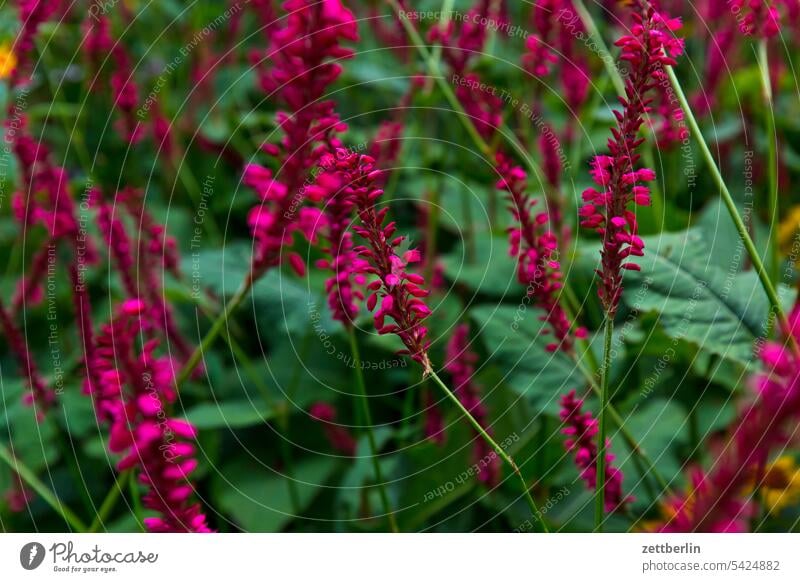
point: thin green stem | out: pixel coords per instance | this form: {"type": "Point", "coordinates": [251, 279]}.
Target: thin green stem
{"type": "Point", "coordinates": [373, 445]}
{"type": "Point", "coordinates": [215, 330]}
{"type": "Point", "coordinates": [436, 72]}
{"type": "Point", "coordinates": [608, 61]}
{"type": "Point", "coordinates": [758, 264]}
{"type": "Point", "coordinates": [138, 508]}
{"type": "Point", "coordinates": [48, 496]}
{"type": "Point", "coordinates": [537, 515]}
{"type": "Point", "coordinates": [600, 479]}
{"type": "Point", "coordinates": [431, 233]}
{"type": "Point", "coordinates": [772, 173]}
{"type": "Point", "coordinates": [110, 501]}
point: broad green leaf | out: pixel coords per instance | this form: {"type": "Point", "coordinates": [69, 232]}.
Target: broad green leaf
{"type": "Point", "coordinates": [483, 266]}
{"type": "Point", "coordinates": [722, 312]}
{"type": "Point", "coordinates": [258, 497]}
{"type": "Point", "coordinates": [516, 343]}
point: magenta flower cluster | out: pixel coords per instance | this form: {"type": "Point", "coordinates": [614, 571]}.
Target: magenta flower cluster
{"type": "Point", "coordinates": [301, 58]}
{"type": "Point", "coordinates": [535, 247]}
{"type": "Point", "coordinates": [133, 391]}
{"type": "Point", "coordinates": [648, 49]}
{"type": "Point", "coordinates": [397, 293]}
{"type": "Point", "coordinates": [718, 499]}
{"type": "Point", "coordinates": [581, 430]}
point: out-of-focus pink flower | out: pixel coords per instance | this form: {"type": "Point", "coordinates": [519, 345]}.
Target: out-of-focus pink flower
{"type": "Point", "coordinates": [757, 17]}
{"type": "Point", "coordinates": [40, 394]}
{"type": "Point", "coordinates": [302, 57]}
{"type": "Point", "coordinates": [536, 249]}
{"type": "Point", "coordinates": [32, 14]}
{"type": "Point", "coordinates": [133, 394]}
{"type": "Point", "coordinates": [717, 500]}
{"type": "Point", "coordinates": [581, 429]}
{"type": "Point", "coordinates": [338, 436]}
{"type": "Point", "coordinates": [461, 360]}
{"type": "Point", "coordinates": [126, 95]}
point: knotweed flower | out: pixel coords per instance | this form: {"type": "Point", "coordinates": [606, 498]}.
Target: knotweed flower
{"type": "Point", "coordinates": [399, 292]}
{"type": "Point", "coordinates": [133, 395]}
{"type": "Point", "coordinates": [434, 420]}
{"type": "Point", "coordinates": [463, 41]}
{"type": "Point", "coordinates": [756, 17]}
{"type": "Point", "coordinates": [32, 14]}
{"type": "Point", "coordinates": [343, 287]}
{"type": "Point", "coordinates": [536, 250]}
{"type": "Point", "coordinates": [581, 429]}
{"type": "Point", "coordinates": [135, 266]}
{"type": "Point", "coordinates": [650, 46]}
{"type": "Point", "coordinates": [125, 95]}
{"type": "Point", "coordinates": [39, 394]}
{"type": "Point", "coordinates": [460, 364]}
{"type": "Point", "coordinates": [338, 436]}
{"type": "Point", "coordinates": [557, 29]}
{"type": "Point", "coordinates": [301, 54]}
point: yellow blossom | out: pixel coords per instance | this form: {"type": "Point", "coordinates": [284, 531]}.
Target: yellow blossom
{"type": "Point", "coordinates": [8, 61]}
{"type": "Point", "coordinates": [780, 485]}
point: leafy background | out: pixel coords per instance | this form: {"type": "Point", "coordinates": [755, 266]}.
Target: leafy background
{"type": "Point", "coordinates": [265, 464]}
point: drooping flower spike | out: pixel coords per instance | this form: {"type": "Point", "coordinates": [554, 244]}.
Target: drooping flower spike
{"type": "Point", "coordinates": [620, 182]}
{"type": "Point", "coordinates": [535, 247]}
{"type": "Point", "coordinates": [397, 293]}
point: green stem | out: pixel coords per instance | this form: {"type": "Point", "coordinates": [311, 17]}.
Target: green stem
{"type": "Point", "coordinates": [431, 232]}
{"type": "Point", "coordinates": [600, 479]}
{"type": "Point", "coordinates": [772, 137]}
{"type": "Point", "coordinates": [110, 501]}
{"type": "Point", "coordinates": [510, 137]}
{"type": "Point", "coordinates": [436, 72]}
{"type": "Point", "coordinates": [608, 61]}
{"type": "Point", "coordinates": [138, 508]}
{"type": "Point", "coordinates": [758, 264]}
{"type": "Point", "coordinates": [48, 496]}
{"type": "Point", "coordinates": [215, 330]}
{"type": "Point", "coordinates": [537, 515]}
{"type": "Point", "coordinates": [373, 445]}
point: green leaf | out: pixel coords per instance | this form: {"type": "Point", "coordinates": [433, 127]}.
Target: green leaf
{"type": "Point", "coordinates": [722, 312]}
{"type": "Point", "coordinates": [258, 498]}
{"type": "Point", "coordinates": [490, 272]}
{"type": "Point", "coordinates": [233, 414]}
{"type": "Point", "coordinates": [516, 344]}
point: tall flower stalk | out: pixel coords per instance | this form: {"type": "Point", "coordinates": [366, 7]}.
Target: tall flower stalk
{"type": "Point", "coordinates": [649, 48]}
{"type": "Point", "coordinates": [395, 292]}
{"type": "Point", "coordinates": [344, 294]}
